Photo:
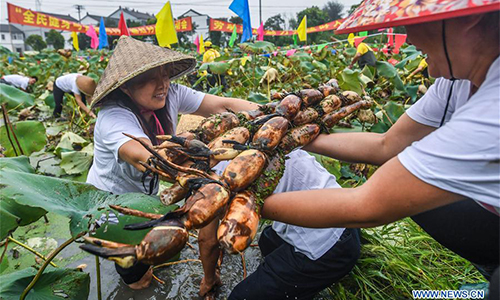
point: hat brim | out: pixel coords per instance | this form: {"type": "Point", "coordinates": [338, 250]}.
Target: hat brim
{"type": "Point", "coordinates": [131, 58]}
{"type": "Point", "coordinates": [373, 14]}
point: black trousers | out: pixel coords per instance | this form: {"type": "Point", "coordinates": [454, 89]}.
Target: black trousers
{"type": "Point", "coordinates": [58, 99]}
{"type": "Point", "coordinates": [286, 274]}
{"type": "Point", "coordinates": [468, 230]}
{"type": "Point", "coordinates": [4, 81]}
{"type": "Point", "coordinates": [471, 232]}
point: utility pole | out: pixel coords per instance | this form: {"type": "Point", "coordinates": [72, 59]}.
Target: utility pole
{"type": "Point", "coordinates": [38, 5]}
{"type": "Point", "coordinates": [79, 8]}
{"type": "Point", "coordinates": [260, 11]}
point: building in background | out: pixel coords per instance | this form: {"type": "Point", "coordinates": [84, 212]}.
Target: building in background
{"type": "Point", "coordinates": [95, 20]}
{"type": "Point", "coordinates": [202, 22]}
{"type": "Point", "coordinates": [132, 15]}
{"type": "Point", "coordinates": [12, 38]}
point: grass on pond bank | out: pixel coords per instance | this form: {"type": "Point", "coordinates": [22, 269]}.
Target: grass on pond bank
{"type": "Point", "coordinates": [398, 258]}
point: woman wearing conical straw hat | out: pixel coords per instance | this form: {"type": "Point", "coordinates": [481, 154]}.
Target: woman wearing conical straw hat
{"type": "Point", "coordinates": [136, 97]}
{"type": "Point", "coordinates": [440, 162]}
{"type": "Point", "coordinates": [80, 86]}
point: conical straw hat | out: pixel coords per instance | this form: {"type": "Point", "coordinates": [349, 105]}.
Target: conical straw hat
{"type": "Point", "coordinates": [86, 85]}
{"type": "Point", "coordinates": [131, 58]}
{"type": "Point", "coordinates": [375, 14]}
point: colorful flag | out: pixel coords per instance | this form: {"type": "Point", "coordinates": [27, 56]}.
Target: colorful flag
{"type": "Point", "coordinates": [291, 52]}
{"type": "Point", "coordinates": [74, 35]}
{"type": "Point", "coordinates": [363, 33]}
{"type": "Point", "coordinates": [302, 29]}
{"type": "Point", "coordinates": [260, 32]}
{"type": "Point", "coordinates": [202, 44]}
{"type": "Point", "coordinates": [350, 39]}
{"type": "Point", "coordinates": [197, 43]}
{"type": "Point", "coordinates": [358, 40]}
{"type": "Point", "coordinates": [400, 39]}
{"type": "Point", "coordinates": [295, 39]}
{"type": "Point", "coordinates": [103, 37]}
{"type": "Point", "coordinates": [233, 38]}
{"type": "Point", "coordinates": [165, 28]}
{"type": "Point", "coordinates": [94, 40]}
{"type": "Point", "coordinates": [122, 25]}
{"type": "Point", "coordinates": [241, 8]}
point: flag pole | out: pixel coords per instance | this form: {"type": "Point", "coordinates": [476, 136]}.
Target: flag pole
{"type": "Point", "coordinates": [11, 42]}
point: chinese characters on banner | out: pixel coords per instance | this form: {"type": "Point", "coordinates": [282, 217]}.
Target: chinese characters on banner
{"type": "Point", "coordinates": [218, 25]}
{"type": "Point", "coordinates": [28, 17]}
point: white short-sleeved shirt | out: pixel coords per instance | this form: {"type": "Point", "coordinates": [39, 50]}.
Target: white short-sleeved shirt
{"type": "Point", "coordinates": [108, 171]}
{"type": "Point", "coordinates": [17, 81]}
{"type": "Point", "coordinates": [67, 83]}
{"type": "Point", "coordinates": [303, 172]}
{"type": "Point", "coordinates": [462, 156]}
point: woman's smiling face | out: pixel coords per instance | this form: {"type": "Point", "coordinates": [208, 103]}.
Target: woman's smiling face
{"type": "Point", "coordinates": [149, 90]}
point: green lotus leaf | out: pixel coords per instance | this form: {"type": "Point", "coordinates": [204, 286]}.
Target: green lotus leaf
{"type": "Point", "coordinates": [54, 284]}
{"type": "Point", "coordinates": [14, 97]}
{"type": "Point", "coordinates": [30, 134]}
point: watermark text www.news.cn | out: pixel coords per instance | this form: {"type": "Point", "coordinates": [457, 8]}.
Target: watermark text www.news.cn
{"type": "Point", "coordinates": [448, 294]}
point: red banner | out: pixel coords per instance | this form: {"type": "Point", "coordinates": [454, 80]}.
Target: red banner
{"type": "Point", "coordinates": [219, 25]}
{"type": "Point", "coordinates": [28, 17]}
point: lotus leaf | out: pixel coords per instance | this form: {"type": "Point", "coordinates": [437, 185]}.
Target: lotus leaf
{"type": "Point", "coordinates": [13, 214]}
{"type": "Point", "coordinates": [54, 284]}
{"type": "Point", "coordinates": [14, 97]}
{"type": "Point", "coordinates": [77, 162]}
{"type": "Point", "coordinates": [80, 202]}
{"type": "Point", "coordinates": [30, 134]}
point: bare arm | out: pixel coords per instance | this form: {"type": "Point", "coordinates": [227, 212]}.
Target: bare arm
{"type": "Point", "coordinates": [354, 59]}
{"type": "Point", "coordinates": [84, 107]}
{"type": "Point", "coordinates": [212, 104]}
{"type": "Point", "coordinates": [368, 147]}
{"type": "Point", "coordinates": [133, 152]}
{"type": "Point", "coordinates": [390, 194]}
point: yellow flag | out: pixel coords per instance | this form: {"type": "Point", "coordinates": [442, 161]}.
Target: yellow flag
{"type": "Point", "coordinates": [350, 39]}
{"type": "Point", "coordinates": [202, 44]}
{"type": "Point", "coordinates": [244, 60]}
{"type": "Point", "coordinates": [302, 29]}
{"type": "Point", "coordinates": [165, 28]}
{"type": "Point", "coordinates": [74, 35]}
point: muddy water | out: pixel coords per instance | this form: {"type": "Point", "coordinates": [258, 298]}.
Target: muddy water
{"type": "Point", "coordinates": [181, 280]}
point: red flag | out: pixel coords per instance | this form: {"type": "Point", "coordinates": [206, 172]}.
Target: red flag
{"type": "Point", "coordinates": [358, 40]}
{"type": "Point", "coordinates": [122, 25]}
{"type": "Point", "coordinates": [400, 40]}
{"type": "Point", "coordinates": [260, 32]}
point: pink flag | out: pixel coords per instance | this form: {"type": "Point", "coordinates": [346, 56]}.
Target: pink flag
{"type": "Point", "coordinates": [94, 40]}
{"type": "Point", "coordinates": [197, 43]}
{"type": "Point", "coordinates": [275, 53]}
{"type": "Point", "coordinates": [391, 36]}
{"type": "Point", "coordinates": [260, 32]}
{"type": "Point", "coordinates": [358, 40]}
{"type": "Point", "coordinates": [400, 40]}
{"type": "Point", "coordinates": [291, 52]}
